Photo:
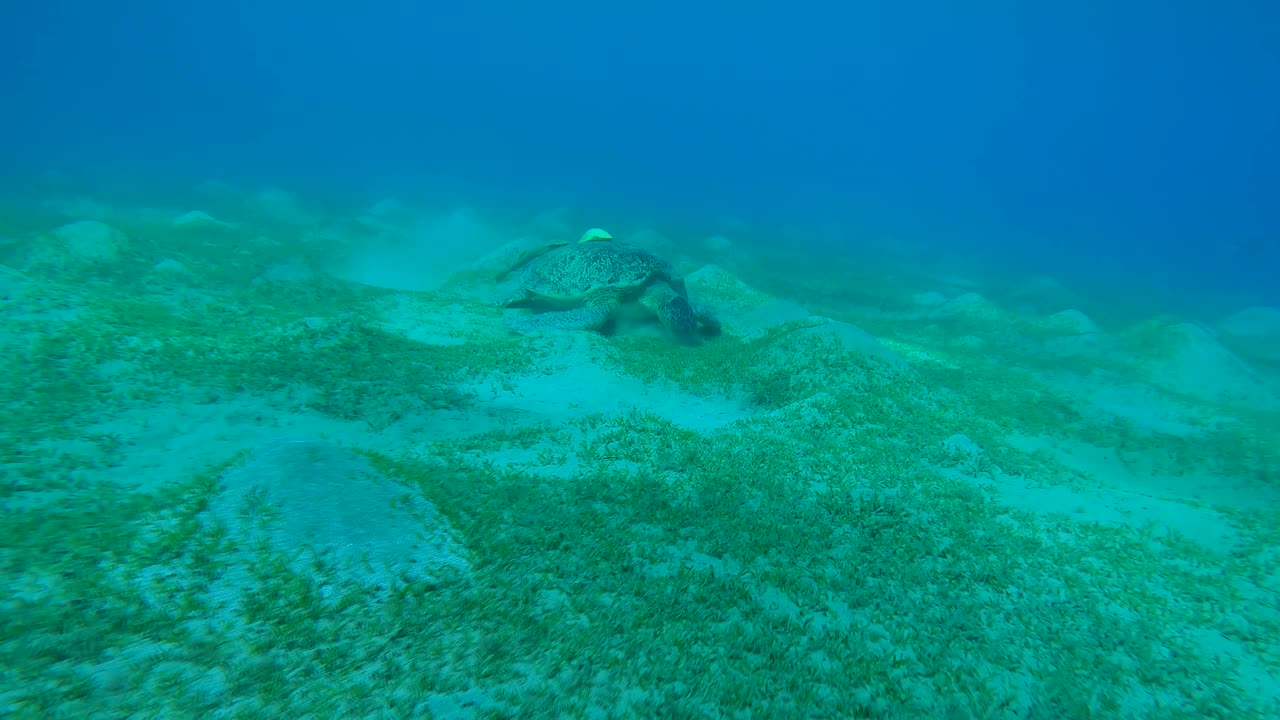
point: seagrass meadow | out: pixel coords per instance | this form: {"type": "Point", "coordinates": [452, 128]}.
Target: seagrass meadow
{"type": "Point", "coordinates": [240, 483]}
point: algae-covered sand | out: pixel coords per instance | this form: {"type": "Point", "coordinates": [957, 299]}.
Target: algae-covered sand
{"type": "Point", "coordinates": [262, 461]}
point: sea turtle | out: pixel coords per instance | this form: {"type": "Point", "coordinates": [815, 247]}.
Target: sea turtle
{"type": "Point", "coordinates": [583, 284]}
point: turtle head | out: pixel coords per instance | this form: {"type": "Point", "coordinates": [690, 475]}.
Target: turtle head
{"type": "Point", "coordinates": [687, 323]}
{"type": "Point", "coordinates": [679, 317]}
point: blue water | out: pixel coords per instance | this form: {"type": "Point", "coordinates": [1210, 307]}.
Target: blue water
{"type": "Point", "coordinates": [1136, 140]}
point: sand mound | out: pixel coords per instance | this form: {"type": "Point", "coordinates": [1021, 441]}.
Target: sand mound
{"type": "Point", "coordinates": [316, 500]}
{"type": "Point", "coordinates": [1197, 365]}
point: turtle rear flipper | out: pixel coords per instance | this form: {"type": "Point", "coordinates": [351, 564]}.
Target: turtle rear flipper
{"type": "Point", "coordinates": [593, 315]}
{"type": "Point", "coordinates": [522, 254]}
{"type": "Point", "coordinates": [524, 257]}
{"type": "Point", "coordinates": [512, 294]}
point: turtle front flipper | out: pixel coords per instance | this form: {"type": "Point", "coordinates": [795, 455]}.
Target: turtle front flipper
{"type": "Point", "coordinates": [595, 312]}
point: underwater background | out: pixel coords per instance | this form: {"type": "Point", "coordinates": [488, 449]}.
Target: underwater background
{"type": "Point", "coordinates": [924, 363]}
{"type": "Point", "coordinates": [1137, 140]}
